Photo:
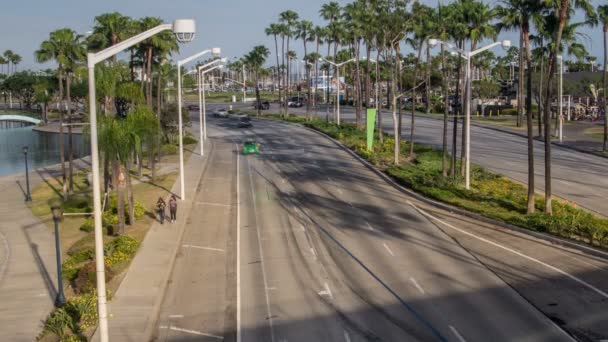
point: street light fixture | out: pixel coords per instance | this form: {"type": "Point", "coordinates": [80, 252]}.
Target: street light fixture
{"type": "Point", "coordinates": [468, 55]}
{"type": "Point", "coordinates": [28, 196]}
{"type": "Point", "coordinates": [57, 215]}
{"type": "Point", "coordinates": [337, 66]}
{"type": "Point", "coordinates": [184, 30]}
{"type": "Point", "coordinates": [216, 52]}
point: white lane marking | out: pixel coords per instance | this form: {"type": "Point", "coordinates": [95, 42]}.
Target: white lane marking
{"type": "Point", "coordinates": [388, 249]}
{"type": "Point", "coordinates": [302, 228]}
{"type": "Point", "coordinates": [346, 336]}
{"type": "Point", "coordinates": [314, 254]}
{"type": "Point", "coordinates": [340, 191]}
{"type": "Point", "coordinates": [328, 291]}
{"type": "Point", "coordinates": [457, 334]}
{"type": "Point", "coordinates": [417, 285]}
{"type": "Point", "coordinates": [562, 272]}
{"type": "Point", "coordinates": [369, 226]}
{"type": "Point", "coordinates": [263, 264]}
{"type": "Point", "coordinates": [238, 248]}
{"type": "Point", "coordinates": [176, 316]}
{"type": "Point", "coordinates": [204, 248]}
{"type": "Point", "coordinates": [214, 204]}
{"type": "Point", "coordinates": [272, 288]}
{"type": "Point", "coordinates": [193, 332]}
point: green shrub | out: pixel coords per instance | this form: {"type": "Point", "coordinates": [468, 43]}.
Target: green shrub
{"type": "Point", "coordinates": [88, 225]}
{"type": "Point", "coordinates": [121, 249]}
{"type": "Point", "coordinates": [77, 205]}
{"type": "Point", "coordinates": [509, 111]}
{"type": "Point", "coordinates": [70, 322]}
{"type": "Point", "coordinates": [189, 140]}
{"type": "Point", "coordinates": [168, 149]}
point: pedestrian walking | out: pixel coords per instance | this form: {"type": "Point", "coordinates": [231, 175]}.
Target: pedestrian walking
{"type": "Point", "coordinates": [160, 208]}
{"type": "Point", "coordinates": [173, 208]}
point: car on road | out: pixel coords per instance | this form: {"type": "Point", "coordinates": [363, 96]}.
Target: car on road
{"type": "Point", "coordinates": [194, 107]}
{"type": "Point", "coordinates": [220, 113]}
{"type": "Point", "coordinates": [263, 105]}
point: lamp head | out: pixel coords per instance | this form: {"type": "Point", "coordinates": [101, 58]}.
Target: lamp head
{"type": "Point", "coordinates": [25, 148]}
{"type": "Point", "coordinates": [216, 52]}
{"type": "Point", "coordinates": [506, 44]}
{"type": "Point", "coordinates": [184, 30]}
{"type": "Point", "coordinates": [454, 53]}
{"type": "Point", "coordinates": [321, 60]}
{"type": "Point", "coordinates": [433, 42]}
{"type": "Point", "coordinates": [57, 212]}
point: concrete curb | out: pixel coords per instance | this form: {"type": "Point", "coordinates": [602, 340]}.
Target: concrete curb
{"type": "Point", "coordinates": [449, 208]}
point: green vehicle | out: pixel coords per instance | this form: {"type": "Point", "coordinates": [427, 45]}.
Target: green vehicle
{"type": "Point", "coordinates": [251, 147]}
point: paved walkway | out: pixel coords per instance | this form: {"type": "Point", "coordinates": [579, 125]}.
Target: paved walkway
{"type": "Point", "coordinates": [28, 274]}
{"type": "Point", "coordinates": [136, 304]}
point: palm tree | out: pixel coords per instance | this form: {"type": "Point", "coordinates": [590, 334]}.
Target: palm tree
{"type": "Point", "coordinates": [332, 12]}
{"type": "Point", "coordinates": [109, 29]}
{"type": "Point", "coordinates": [8, 54]}
{"type": "Point", "coordinates": [254, 61]}
{"type": "Point", "coordinates": [603, 15]}
{"type": "Point", "coordinates": [289, 18]}
{"type": "Point", "coordinates": [275, 30]}
{"type": "Point", "coordinates": [442, 30]}
{"type": "Point", "coordinates": [3, 61]}
{"type": "Point", "coordinates": [304, 31]}
{"type": "Point", "coordinates": [15, 59]}
{"type": "Point", "coordinates": [65, 47]}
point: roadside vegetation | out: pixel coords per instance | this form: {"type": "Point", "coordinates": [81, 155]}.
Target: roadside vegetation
{"type": "Point", "coordinates": [491, 195]}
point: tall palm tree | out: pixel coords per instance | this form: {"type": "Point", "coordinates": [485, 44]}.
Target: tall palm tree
{"type": "Point", "coordinates": [254, 61]}
{"type": "Point", "coordinates": [65, 47]}
{"type": "Point", "coordinates": [109, 29]}
{"type": "Point", "coordinates": [3, 61]}
{"type": "Point", "coordinates": [15, 59]}
{"type": "Point", "coordinates": [561, 10]}
{"type": "Point", "coordinates": [8, 54]}
{"type": "Point", "coordinates": [603, 16]}
{"type": "Point", "coordinates": [304, 31]}
{"type": "Point", "coordinates": [275, 30]}
{"type": "Point", "coordinates": [332, 12]}
{"type": "Point", "coordinates": [443, 30]}
{"type": "Point", "coordinates": [289, 18]}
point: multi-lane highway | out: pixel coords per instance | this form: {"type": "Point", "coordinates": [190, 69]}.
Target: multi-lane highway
{"type": "Point", "coordinates": [306, 243]}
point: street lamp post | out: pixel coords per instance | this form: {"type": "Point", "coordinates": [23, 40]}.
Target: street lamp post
{"type": "Point", "coordinates": [202, 105]}
{"type": "Point", "coordinates": [559, 96]}
{"type": "Point", "coordinates": [28, 196]}
{"type": "Point", "coordinates": [57, 215]}
{"type": "Point", "coordinates": [468, 55]}
{"type": "Point", "coordinates": [184, 30]}
{"type": "Point", "coordinates": [216, 51]}
{"type": "Point", "coordinates": [337, 66]}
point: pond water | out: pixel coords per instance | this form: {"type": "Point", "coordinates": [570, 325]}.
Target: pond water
{"type": "Point", "coordinates": [43, 147]}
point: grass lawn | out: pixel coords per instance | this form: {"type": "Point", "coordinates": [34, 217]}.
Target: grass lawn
{"type": "Point", "coordinates": [595, 133]}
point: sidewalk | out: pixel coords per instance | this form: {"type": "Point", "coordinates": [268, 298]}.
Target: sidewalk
{"type": "Point", "coordinates": [135, 306]}
{"type": "Point", "coordinates": [28, 274]}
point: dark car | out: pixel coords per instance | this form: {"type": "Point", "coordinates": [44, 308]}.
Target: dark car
{"type": "Point", "coordinates": [194, 107]}
{"type": "Point", "coordinates": [295, 104]}
{"type": "Point", "coordinates": [263, 105]}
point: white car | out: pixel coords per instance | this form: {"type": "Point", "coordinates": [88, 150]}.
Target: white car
{"type": "Point", "coordinates": [220, 113]}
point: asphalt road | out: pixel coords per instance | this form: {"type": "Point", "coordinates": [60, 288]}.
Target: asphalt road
{"type": "Point", "coordinates": [577, 177]}
{"type": "Point", "coordinates": [305, 243]}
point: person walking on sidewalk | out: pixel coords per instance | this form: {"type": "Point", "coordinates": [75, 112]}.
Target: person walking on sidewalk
{"type": "Point", "coordinates": [160, 207]}
{"type": "Point", "coordinates": [173, 208]}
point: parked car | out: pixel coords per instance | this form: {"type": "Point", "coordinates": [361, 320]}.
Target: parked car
{"type": "Point", "coordinates": [263, 105]}
{"type": "Point", "coordinates": [295, 104]}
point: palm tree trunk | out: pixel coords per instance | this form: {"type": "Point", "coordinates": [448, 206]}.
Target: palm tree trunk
{"type": "Point", "coordinates": [427, 78]}
{"type": "Point", "coordinates": [358, 99]}
{"type": "Point", "coordinates": [368, 51]}
{"type": "Point", "coordinates": [540, 93]}
{"type": "Point", "coordinates": [377, 99]}
{"type": "Point", "coordinates": [397, 146]}
{"type": "Point", "coordinates": [62, 142]}
{"type": "Point", "coordinates": [530, 123]}
{"type": "Point", "coordinates": [520, 81]}
{"type": "Point", "coordinates": [288, 92]}
{"type": "Point", "coordinates": [307, 78]}
{"type": "Point", "coordinates": [605, 86]}
{"type": "Point", "coordinates": [149, 79]}
{"type": "Point", "coordinates": [257, 91]}
{"type": "Point", "coordinates": [563, 13]}
{"type": "Point", "coordinates": [119, 180]}
{"type": "Point", "coordinates": [276, 50]}
{"type": "Point", "coordinates": [444, 160]}
{"type": "Point", "coordinates": [413, 122]}
{"type": "Point", "coordinates": [70, 137]}
{"type": "Point", "coordinates": [130, 193]}
{"type": "Point", "coordinates": [457, 101]}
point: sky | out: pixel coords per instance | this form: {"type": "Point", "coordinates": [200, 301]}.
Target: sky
{"type": "Point", "coordinates": [234, 25]}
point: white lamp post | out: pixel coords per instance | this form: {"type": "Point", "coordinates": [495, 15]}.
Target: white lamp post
{"type": "Point", "coordinates": [337, 66]}
{"type": "Point", "coordinates": [184, 30]}
{"type": "Point", "coordinates": [560, 59]}
{"type": "Point", "coordinates": [179, 114]}
{"type": "Point", "coordinates": [202, 108]}
{"type": "Point", "coordinates": [468, 55]}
